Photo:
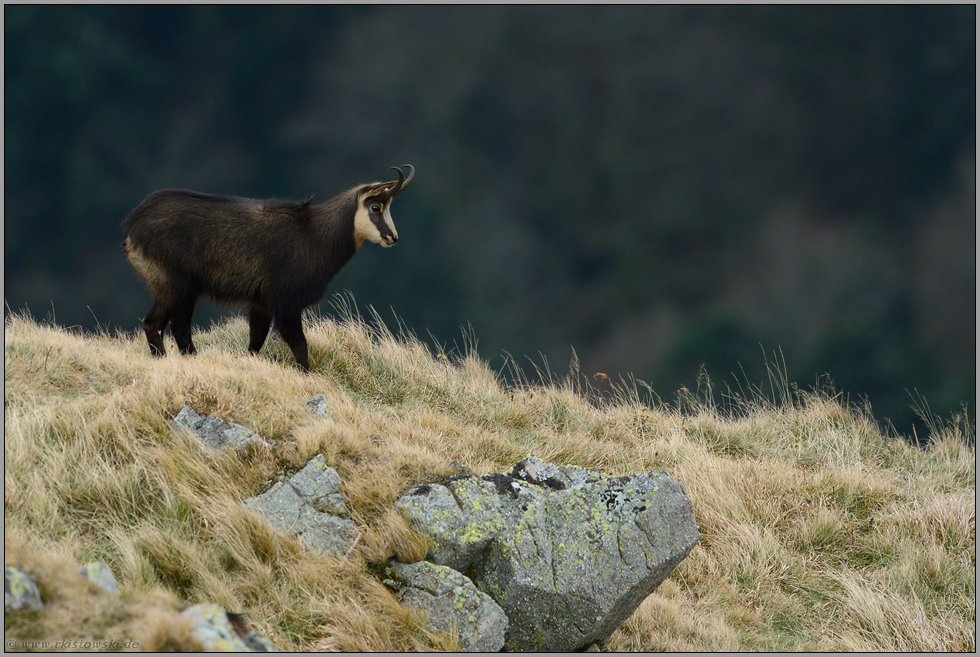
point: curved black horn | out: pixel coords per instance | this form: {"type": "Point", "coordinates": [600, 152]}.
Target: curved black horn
{"type": "Point", "coordinates": [408, 181]}
{"type": "Point", "coordinates": [395, 185]}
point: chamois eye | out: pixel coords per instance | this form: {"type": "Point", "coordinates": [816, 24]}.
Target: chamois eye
{"type": "Point", "coordinates": [375, 208]}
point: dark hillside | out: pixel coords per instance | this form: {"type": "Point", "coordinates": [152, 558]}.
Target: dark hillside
{"type": "Point", "coordinates": [656, 187]}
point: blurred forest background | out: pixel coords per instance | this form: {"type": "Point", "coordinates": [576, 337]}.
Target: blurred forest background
{"type": "Point", "coordinates": [656, 187]}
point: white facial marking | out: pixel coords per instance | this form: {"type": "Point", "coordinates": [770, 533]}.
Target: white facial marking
{"type": "Point", "coordinates": [391, 224]}
{"type": "Point", "coordinates": [364, 228]}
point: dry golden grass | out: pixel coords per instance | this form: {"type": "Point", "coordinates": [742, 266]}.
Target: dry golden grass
{"type": "Point", "coordinates": [817, 531]}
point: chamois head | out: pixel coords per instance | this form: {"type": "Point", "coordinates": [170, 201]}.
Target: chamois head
{"type": "Point", "coordinates": [372, 220]}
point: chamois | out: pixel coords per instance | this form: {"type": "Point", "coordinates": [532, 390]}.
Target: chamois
{"type": "Point", "coordinates": [278, 256]}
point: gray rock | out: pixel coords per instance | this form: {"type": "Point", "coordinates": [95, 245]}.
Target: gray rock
{"type": "Point", "coordinates": [456, 468]}
{"type": "Point", "coordinates": [462, 515]}
{"type": "Point", "coordinates": [19, 591]}
{"type": "Point", "coordinates": [214, 629]}
{"type": "Point", "coordinates": [319, 486]}
{"type": "Point", "coordinates": [309, 505]}
{"type": "Point", "coordinates": [568, 553]}
{"type": "Point", "coordinates": [215, 432]}
{"type": "Point", "coordinates": [258, 643]}
{"type": "Point", "coordinates": [318, 406]}
{"type": "Point", "coordinates": [99, 574]}
{"type": "Point", "coordinates": [451, 600]}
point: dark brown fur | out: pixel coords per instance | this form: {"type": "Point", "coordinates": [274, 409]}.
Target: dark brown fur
{"type": "Point", "coordinates": [277, 256]}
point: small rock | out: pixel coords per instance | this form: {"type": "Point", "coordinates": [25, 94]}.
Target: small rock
{"type": "Point", "coordinates": [215, 432]}
{"type": "Point", "coordinates": [536, 471]}
{"type": "Point", "coordinates": [450, 599]}
{"type": "Point", "coordinates": [216, 632]}
{"type": "Point", "coordinates": [99, 574]}
{"type": "Point", "coordinates": [258, 643]}
{"type": "Point", "coordinates": [318, 406]}
{"type": "Point", "coordinates": [309, 505]}
{"type": "Point", "coordinates": [19, 591]}
{"type": "Point", "coordinates": [319, 486]}
{"type": "Point", "coordinates": [458, 469]}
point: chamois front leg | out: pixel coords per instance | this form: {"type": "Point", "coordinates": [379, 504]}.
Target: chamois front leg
{"type": "Point", "coordinates": [259, 321]}
{"type": "Point", "coordinates": [291, 330]}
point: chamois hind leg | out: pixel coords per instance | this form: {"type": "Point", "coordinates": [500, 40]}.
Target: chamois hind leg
{"type": "Point", "coordinates": [290, 327]}
{"type": "Point", "coordinates": [154, 323]}
{"type": "Point", "coordinates": [180, 325]}
{"type": "Point", "coordinates": [259, 321]}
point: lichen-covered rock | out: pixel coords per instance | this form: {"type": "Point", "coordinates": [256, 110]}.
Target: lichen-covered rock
{"type": "Point", "coordinates": [568, 553]}
{"type": "Point", "coordinates": [215, 432]}
{"type": "Point", "coordinates": [319, 486]}
{"type": "Point", "coordinates": [461, 516]}
{"type": "Point", "coordinates": [318, 406]}
{"type": "Point", "coordinates": [309, 505]}
{"type": "Point", "coordinates": [216, 632]}
{"type": "Point", "coordinates": [450, 599]}
{"type": "Point", "coordinates": [19, 591]}
{"type": "Point", "coordinates": [99, 574]}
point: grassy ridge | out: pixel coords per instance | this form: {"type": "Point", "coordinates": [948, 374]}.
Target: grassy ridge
{"type": "Point", "coordinates": [817, 531]}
